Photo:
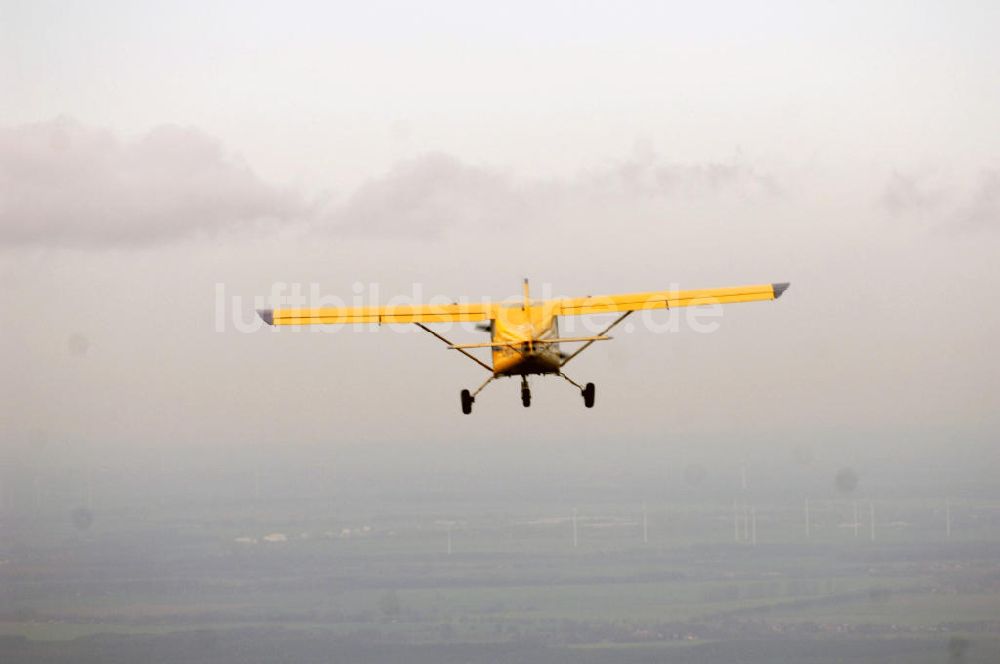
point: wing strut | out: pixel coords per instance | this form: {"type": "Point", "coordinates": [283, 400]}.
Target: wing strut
{"type": "Point", "coordinates": [483, 386]}
{"type": "Point", "coordinates": [571, 381]}
{"type": "Point", "coordinates": [460, 350]}
{"type": "Point", "coordinates": [596, 338]}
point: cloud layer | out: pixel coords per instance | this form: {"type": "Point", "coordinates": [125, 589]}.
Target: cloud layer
{"type": "Point", "coordinates": [435, 193]}
{"type": "Point", "coordinates": [425, 196]}
{"type": "Point", "coordinates": [64, 183]}
{"type": "Point", "coordinates": [953, 206]}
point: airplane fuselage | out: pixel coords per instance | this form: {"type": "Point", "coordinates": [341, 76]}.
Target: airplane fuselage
{"type": "Point", "coordinates": [516, 331]}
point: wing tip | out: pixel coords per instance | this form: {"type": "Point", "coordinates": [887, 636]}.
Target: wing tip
{"type": "Point", "coordinates": [780, 288]}
{"type": "Point", "coordinates": [267, 315]}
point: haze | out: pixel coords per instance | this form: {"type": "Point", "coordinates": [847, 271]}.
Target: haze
{"type": "Point", "coordinates": [164, 165]}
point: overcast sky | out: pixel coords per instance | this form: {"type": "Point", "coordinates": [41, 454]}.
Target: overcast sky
{"type": "Point", "coordinates": [155, 155]}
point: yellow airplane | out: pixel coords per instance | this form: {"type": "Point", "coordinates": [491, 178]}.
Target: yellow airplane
{"type": "Point", "coordinates": [524, 336]}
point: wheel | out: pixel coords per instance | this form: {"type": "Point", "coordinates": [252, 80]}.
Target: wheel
{"type": "Point", "coordinates": [525, 396]}
{"type": "Point", "coordinates": [588, 395]}
{"type": "Point", "coordinates": [467, 400]}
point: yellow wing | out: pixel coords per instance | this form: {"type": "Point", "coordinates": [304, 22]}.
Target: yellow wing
{"type": "Point", "coordinates": [601, 304]}
{"type": "Point", "coordinates": [422, 313]}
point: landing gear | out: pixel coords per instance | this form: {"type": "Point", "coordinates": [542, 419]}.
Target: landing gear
{"type": "Point", "coordinates": [470, 398]}
{"type": "Point", "coordinates": [587, 391]}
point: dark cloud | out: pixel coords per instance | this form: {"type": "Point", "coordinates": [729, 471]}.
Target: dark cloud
{"type": "Point", "coordinates": [434, 193]}
{"type": "Point", "coordinates": [949, 209]}
{"type": "Point", "coordinates": [65, 183]}
{"type": "Point", "coordinates": [983, 209]}
{"type": "Point", "coordinates": [643, 173]}
{"type": "Point", "coordinates": [905, 194]}
{"type": "Point", "coordinates": [428, 194]}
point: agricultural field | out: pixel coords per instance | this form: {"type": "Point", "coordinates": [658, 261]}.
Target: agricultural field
{"type": "Point", "coordinates": [610, 580]}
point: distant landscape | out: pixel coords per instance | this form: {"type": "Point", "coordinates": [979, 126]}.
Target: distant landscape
{"type": "Point", "coordinates": [303, 559]}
